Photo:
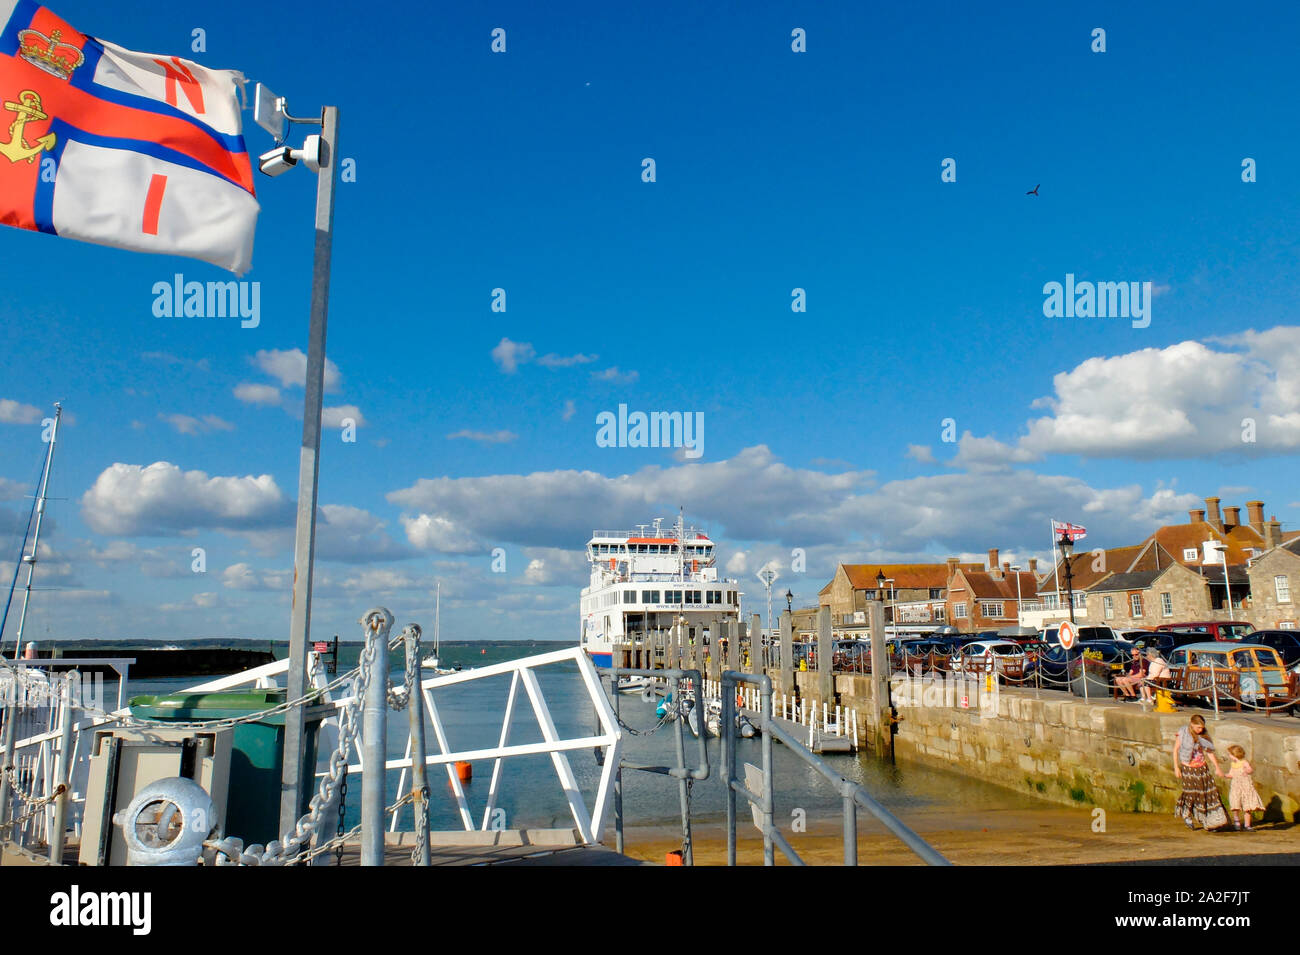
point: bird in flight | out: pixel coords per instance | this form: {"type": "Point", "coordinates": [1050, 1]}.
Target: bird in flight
{"type": "Point", "coordinates": [1033, 191]}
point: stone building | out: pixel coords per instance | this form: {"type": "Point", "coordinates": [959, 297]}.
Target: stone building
{"type": "Point", "coordinates": [913, 593]}
{"type": "Point", "coordinates": [1275, 587]}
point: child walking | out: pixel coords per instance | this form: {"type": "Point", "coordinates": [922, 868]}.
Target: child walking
{"type": "Point", "coordinates": [1243, 799]}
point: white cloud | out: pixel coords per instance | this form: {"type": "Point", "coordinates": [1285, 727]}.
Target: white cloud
{"type": "Point", "coordinates": [987, 454]}
{"type": "Point", "coordinates": [254, 394]}
{"type": "Point", "coordinates": [484, 437]}
{"type": "Point", "coordinates": [510, 355]}
{"type": "Point", "coordinates": [440, 534]}
{"type": "Point", "coordinates": [556, 566]}
{"type": "Point", "coordinates": [13, 490]}
{"type": "Point", "coordinates": [161, 499]}
{"type": "Point", "coordinates": [570, 409]}
{"type": "Point", "coordinates": [345, 534]}
{"type": "Point", "coordinates": [186, 424]}
{"type": "Point", "coordinates": [12, 412]}
{"type": "Point", "coordinates": [737, 562]}
{"type": "Point", "coordinates": [290, 367]}
{"type": "Point", "coordinates": [1186, 400]}
{"type": "Point", "coordinates": [920, 452]}
{"type": "Point", "coordinates": [334, 417]}
{"type": "Point", "coordinates": [243, 576]}
{"type": "Point", "coordinates": [615, 376]}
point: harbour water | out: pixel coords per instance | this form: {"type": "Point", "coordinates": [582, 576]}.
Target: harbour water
{"type": "Point", "coordinates": [530, 793]}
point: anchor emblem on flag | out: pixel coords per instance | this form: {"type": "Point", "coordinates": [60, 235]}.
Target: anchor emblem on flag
{"type": "Point", "coordinates": [28, 109]}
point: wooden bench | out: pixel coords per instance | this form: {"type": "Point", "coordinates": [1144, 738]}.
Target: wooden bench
{"type": "Point", "coordinates": [1226, 683]}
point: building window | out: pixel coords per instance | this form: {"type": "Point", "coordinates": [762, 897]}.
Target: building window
{"type": "Point", "coordinates": [1286, 625]}
{"type": "Point", "coordinates": [692, 596]}
{"type": "Point", "coordinates": [1135, 605]}
{"type": "Point", "coordinates": [959, 611]}
{"type": "Point", "coordinates": [1282, 584]}
{"type": "Point", "coordinates": [1190, 553]}
{"type": "Point", "coordinates": [991, 608]}
{"type": "Point", "coordinates": [1166, 605]}
{"type": "Point", "coordinates": [940, 613]}
{"type": "Point", "coordinates": [629, 596]}
{"type": "Point", "coordinates": [649, 596]}
{"type": "Point", "coordinates": [1108, 607]}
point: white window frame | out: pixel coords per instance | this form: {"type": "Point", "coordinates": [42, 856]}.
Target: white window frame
{"type": "Point", "coordinates": [991, 609]}
{"type": "Point", "coordinates": [1191, 553]}
{"type": "Point", "coordinates": [1282, 587]}
{"type": "Point", "coordinates": [959, 611]}
{"type": "Point", "coordinates": [1166, 605]}
{"type": "Point", "coordinates": [1135, 605]}
{"type": "Point", "coordinates": [1108, 607]}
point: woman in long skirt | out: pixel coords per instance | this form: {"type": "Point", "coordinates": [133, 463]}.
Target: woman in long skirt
{"type": "Point", "coordinates": [1193, 755]}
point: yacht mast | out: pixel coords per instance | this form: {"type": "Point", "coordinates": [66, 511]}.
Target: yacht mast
{"type": "Point", "coordinates": [30, 559]}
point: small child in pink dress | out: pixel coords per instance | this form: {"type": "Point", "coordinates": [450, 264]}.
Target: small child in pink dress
{"type": "Point", "coordinates": [1242, 797]}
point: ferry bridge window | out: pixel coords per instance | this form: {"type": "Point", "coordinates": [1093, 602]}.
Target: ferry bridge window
{"type": "Point", "coordinates": [641, 549]}
{"type": "Point", "coordinates": [692, 596]}
{"type": "Point", "coordinates": [629, 596]}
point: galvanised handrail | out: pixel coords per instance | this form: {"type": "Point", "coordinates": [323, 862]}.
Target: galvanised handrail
{"type": "Point", "coordinates": [852, 794]}
{"type": "Point", "coordinates": [680, 772]}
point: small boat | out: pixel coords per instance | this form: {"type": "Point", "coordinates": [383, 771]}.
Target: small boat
{"type": "Point", "coordinates": [431, 663]}
{"type": "Point", "coordinates": [635, 684]}
{"type": "Point", "coordinates": [744, 727]}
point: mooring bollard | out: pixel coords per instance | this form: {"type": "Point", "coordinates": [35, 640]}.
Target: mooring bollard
{"type": "Point", "coordinates": [374, 727]}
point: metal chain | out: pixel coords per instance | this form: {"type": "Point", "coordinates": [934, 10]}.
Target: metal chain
{"type": "Point", "coordinates": [280, 852]}
{"type": "Point", "coordinates": [421, 824]}
{"type": "Point", "coordinates": [343, 804]}
{"type": "Point", "coordinates": [400, 699]}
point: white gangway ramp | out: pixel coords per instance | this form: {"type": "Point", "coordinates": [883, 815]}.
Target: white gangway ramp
{"type": "Point", "coordinates": [589, 822]}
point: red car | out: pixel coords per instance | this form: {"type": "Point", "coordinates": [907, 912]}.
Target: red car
{"type": "Point", "coordinates": [1233, 631]}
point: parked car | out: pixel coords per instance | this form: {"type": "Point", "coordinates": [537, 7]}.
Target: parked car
{"type": "Point", "coordinates": [1259, 666]}
{"type": "Point", "coordinates": [988, 656]}
{"type": "Point", "coordinates": [1051, 635]}
{"type": "Point", "coordinates": [1166, 641]}
{"type": "Point", "coordinates": [851, 655]}
{"type": "Point", "coordinates": [946, 645]}
{"type": "Point", "coordinates": [1233, 630]}
{"type": "Point", "coordinates": [1058, 665]}
{"type": "Point", "coordinates": [1285, 642]}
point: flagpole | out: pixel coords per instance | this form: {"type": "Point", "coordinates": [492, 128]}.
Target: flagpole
{"type": "Point", "coordinates": [1056, 562]}
{"type": "Point", "coordinates": [304, 552]}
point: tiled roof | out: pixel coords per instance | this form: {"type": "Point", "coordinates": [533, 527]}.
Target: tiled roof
{"type": "Point", "coordinates": [1137, 580]}
{"type": "Point", "coordinates": [906, 576]}
{"type": "Point", "coordinates": [984, 585]}
{"type": "Point", "coordinates": [1176, 538]}
{"type": "Point", "coordinates": [1117, 560]}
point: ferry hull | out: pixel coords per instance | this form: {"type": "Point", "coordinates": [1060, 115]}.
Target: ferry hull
{"type": "Point", "coordinates": [602, 660]}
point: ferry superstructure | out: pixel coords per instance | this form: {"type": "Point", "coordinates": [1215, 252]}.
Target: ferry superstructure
{"type": "Point", "coordinates": [651, 579]}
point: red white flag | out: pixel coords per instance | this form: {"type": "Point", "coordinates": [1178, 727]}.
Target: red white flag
{"type": "Point", "coordinates": [1074, 532]}
{"type": "Point", "coordinates": [133, 150]}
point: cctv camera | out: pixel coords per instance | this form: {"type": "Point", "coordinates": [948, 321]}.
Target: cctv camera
{"type": "Point", "coordinates": [277, 161]}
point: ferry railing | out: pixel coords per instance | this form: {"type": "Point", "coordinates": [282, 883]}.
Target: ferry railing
{"type": "Point", "coordinates": [590, 823]}
{"type": "Point", "coordinates": [685, 776]}
{"type": "Point", "coordinates": [852, 795]}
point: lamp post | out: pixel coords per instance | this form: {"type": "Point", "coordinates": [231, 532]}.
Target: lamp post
{"type": "Point", "coordinates": [1222, 550]}
{"type": "Point", "coordinates": [1067, 551]}
{"type": "Point", "coordinates": [1015, 568]}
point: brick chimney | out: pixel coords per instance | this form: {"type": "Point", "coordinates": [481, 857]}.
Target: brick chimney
{"type": "Point", "coordinates": [1215, 518]}
{"type": "Point", "coordinates": [1033, 566]}
{"type": "Point", "coordinates": [993, 558]}
{"type": "Point", "coordinates": [1196, 515]}
{"type": "Point", "coordinates": [1272, 533]}
{"type": "Point", "coordinates": [1231, 517]}
{"type": "Point", "coordinates": [1255, 512]}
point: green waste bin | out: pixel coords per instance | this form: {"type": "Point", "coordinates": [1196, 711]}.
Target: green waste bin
{"type": "Point", "coordinates": [257, 752]}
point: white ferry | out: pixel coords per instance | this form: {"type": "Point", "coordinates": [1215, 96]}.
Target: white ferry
{"type": "Point", "coordinates": [643, 582]}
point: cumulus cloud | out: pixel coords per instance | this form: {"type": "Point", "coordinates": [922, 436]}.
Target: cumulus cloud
{"type": "Point", "coordinates": [12, 412]}
{"type": "Point", "coordinates": [509, 355]}
{"type": "Point", "coordinates": [243, 576]}
{"type": "Point", "coordinates": [484, 437]}
{"type": "Point", "coordinates": [614, 376]}
{"type": "Point", "coordinates": [161, 499]}
{"type": "Point", "coordinates": [556, 566]}
{"type": "Point", "coordinates": [13, 490]}
{"type": "Point", "coordinates": [987, 454]}
{"type": "Point", "coordinates": [570, 409]}
{"type": "Point", "coordinates": [334, 417]}
{"type": "Point", "coordinates": [920, 452]}
{"type": "Point", "coordinates": [254, 394]}
{"type": "Point", "coordinates": [737, 562]}
{"type": "Point", "coordinates": [344, 534]}
{"type": "Point", "coordinates": [1186, 400]}
{"type": "Point", "coordinates": [428, 532]}
{"type": "Point", "coordinates": [186, 424]}
{"type": "Point", "coordinates": [290, 367]}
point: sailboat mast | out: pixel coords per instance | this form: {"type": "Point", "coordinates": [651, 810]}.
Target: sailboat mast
{"type": "Point", "coordinates": [30, 560]}
{"type": "Point", "coordinates": [437, 618]}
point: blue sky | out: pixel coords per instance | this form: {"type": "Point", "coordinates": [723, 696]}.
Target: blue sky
{"type": "Point", "coordinates": [775, 170]}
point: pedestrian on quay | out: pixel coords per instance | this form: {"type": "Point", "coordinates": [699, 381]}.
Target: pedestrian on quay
{"type": "Point", "coordinates": [1243, 798]}
{"type": "Point", "coordinates": [1137, 674]}
{"type": "Point", "coordinates": [1157, 669]}
{"type": "Point", "coordinates": [1200, 800]}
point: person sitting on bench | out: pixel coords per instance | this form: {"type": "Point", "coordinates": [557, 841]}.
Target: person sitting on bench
{"type": "Point", "coordinates": [1137, 673]}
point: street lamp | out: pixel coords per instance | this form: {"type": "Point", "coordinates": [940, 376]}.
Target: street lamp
{"type": "Point", "coordinates": [1015, 568]}
{"type": "Point", "coordinates": [789, 599]}
{"type": "Point", "coordinates": [1067, 551]}
{"type": "Point", "coordinates": [881, 580]}
{"type": "Point", "coordinates": [1222, 549]}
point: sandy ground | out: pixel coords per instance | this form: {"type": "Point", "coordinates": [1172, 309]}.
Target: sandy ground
{"type": "Point", "coordinates": [1048, 836]}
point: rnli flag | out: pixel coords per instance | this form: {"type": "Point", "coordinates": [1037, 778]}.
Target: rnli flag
{"type": "Point", "coordinates": [133, 150]}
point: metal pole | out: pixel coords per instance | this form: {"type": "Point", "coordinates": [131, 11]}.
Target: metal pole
{"type": "Point", "coordinates": [850, 825]}
{"type": "Point", "coordinates": [62, 770]}
{"type": "Point", "coordinates": [374, 729]}
{"type": "Point", "coordinates": [309, 476]}
{"type": "Point", "coordinates": [36, 533]}
{"type": "Point", "coordinates": [727, 732]}
{"type": "Point", "coordinates": [765, 807]}
{"type": "Point", "coordinates": [10, 736]}
{"type": "Point", "coordinates": [683, 787]}
{"type": "Point", "coordinates": [618, 770]}
{"type": "Point", "coordinates": [419, 774]}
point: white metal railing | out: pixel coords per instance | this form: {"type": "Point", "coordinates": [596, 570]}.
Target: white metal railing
{"type": "Point", "coordinates": [816, 716]}
{"type": "Point", "coordinates": [590, 823]}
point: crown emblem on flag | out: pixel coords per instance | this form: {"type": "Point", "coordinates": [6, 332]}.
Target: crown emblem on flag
{"type": "Point", "coordinates": [48, 54]}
